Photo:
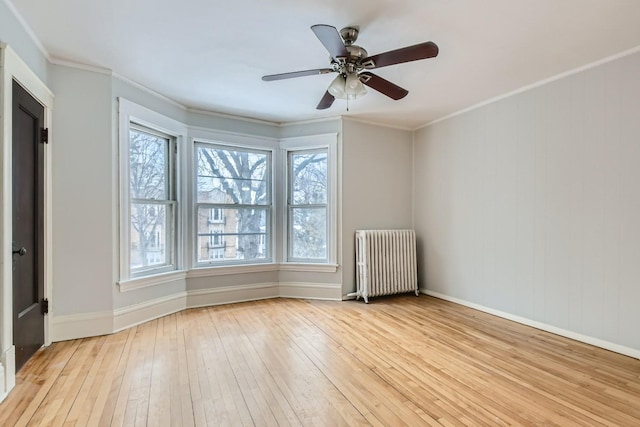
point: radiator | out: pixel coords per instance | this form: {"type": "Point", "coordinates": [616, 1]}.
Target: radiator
{"type": "Point", "coordinates": [385, 263]}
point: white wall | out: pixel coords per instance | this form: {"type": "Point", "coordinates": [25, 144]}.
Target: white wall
{"type": "Point", "coordinates": [82, 192]}
{"type": "Point", "coordinates": [531, 205]}
{"type": "Point", "coordinates": [376, 185]}
{"type": "Point", "coordinates": [12, 33]}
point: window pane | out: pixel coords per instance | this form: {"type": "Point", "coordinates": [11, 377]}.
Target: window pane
{"type": "Point", "coordinates": [232, 234]}
{"type": "Point", "coordinates": [148, 166]}
{"type": "Point", "coordinates": [309, 178]}
{"type": "Point", "coordinates": [309, 233]}
{"type": "Point", "coordinates": [150, 235]}
{"type": "Point", "coordinates": [232, 176]}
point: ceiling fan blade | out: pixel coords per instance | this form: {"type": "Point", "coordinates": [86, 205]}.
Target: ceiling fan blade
{"type": "Point", "coordinates": [330, 38]}
{"type": "Point", "coordinates": [293, 74]}
{"type": "Point", "coordinates": [383, 86]}
{"type": "Point", "coordinates": [405, 54]}
{"type": "Point", "coordinates": [326, 101]}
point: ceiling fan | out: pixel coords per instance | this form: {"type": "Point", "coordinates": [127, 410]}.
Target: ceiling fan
{"type": "Point", "coordinates": [351, 62]}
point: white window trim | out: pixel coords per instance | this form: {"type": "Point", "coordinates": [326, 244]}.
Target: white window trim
{"type": "Point", "coordinates": [330, 143]}
{"type": "Point", "coordinates": [129, 112]}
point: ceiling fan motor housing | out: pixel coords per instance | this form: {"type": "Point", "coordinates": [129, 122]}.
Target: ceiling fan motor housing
{"type": "Point", "coordinates": [351, 63]}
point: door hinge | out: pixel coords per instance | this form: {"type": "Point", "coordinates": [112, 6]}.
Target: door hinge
{"type": "Point", "coordinates": [44, 306]}
{"type": "Point", "coordinates": [44, 135]}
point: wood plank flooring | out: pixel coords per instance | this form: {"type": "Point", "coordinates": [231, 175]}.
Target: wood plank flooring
{"type": "Point", "coordinates": [396, 361]}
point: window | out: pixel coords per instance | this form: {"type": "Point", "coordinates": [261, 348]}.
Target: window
{"type": "Point", "coordinates": [232, 204]}
{"type": "Point", "coordinates": [151, 214]}
{"type": "Point", "coordinates": [152, 201]}
{"type": "Point", "coordinates": [215, 216]}
{"type": "Point", "coordinates": [216, 240]}
{"type": "Point", "coordinates": [307, 205]}
{"type": "Point", "coordinates": [310, 211]}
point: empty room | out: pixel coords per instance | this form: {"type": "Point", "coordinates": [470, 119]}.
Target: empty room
{"type": "Point", "coordinates": [320, 213]}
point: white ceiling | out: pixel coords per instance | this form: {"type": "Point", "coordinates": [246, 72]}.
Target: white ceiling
{"type": "Point", "coordinates": [209, 54]}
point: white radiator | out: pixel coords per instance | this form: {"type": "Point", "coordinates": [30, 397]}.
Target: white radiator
{"type": "Point", "coordinates": [385, 263]}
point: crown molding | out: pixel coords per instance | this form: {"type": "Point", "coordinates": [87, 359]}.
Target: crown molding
{"type": "Point", "coordinates": [27, 28]}
{"type": "Point", "coordinates": [80, 66]}
{"type": "Point", "coordinates": [231, 116]}
{"type": "Point", "coordinates": [150, 91]}
{"type": "Point", "coordinates": [534, 85]}
{"type": "Point", "coordinates": [310, 121]}
{"type": "Point", "coordinates": [370, 122]}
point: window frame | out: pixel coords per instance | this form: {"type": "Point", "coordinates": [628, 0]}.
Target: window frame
{"type": "Point", "coordinates": [269, 208]}
{"type": "Point", "coordinates": [328, 142]}
{"type": "Point", "coordinates": [133, 116]}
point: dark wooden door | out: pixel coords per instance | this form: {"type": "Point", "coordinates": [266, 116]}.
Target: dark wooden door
{"type": "Point", "coordinates": [28, 225]}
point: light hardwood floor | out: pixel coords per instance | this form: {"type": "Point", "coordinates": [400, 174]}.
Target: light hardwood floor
{"type": "Point", "coordinates": [396, 361]}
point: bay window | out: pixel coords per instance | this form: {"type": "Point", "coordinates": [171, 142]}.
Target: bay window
{"type": "Point", "coordinates": [244, 209]}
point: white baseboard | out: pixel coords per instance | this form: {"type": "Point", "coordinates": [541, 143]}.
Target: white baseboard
{"type": "Point", "coordinates": [231, 294]}
{"type": "Point", "coordinates": [136, 314]}
{"type": "Point", "coordinates": [3, 387]}
{"type": "Point", "coordinates": [617, 348]}
{"type": "Point", "coordinates": [323, 291]}
{"type": "Point", "coordinates": [82, 325]}
{"type": "Point", "coordinates": [7, 371]}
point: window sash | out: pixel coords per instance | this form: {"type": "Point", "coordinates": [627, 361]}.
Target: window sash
{"type": "Point", "coordinates": [170, 203]}
{"type": "Point", "coordinates": [169, 149]}
{"type": "Point", "coordinates": [229, 238]}
{"type": "Point", "coordinates": [293, 248]}
{"type": "Point", "coordinates": [169, 263]}
{"type": "Point", "coordinates": [268, 199]}
{"type": "Point", "coordinates": [292, 207]}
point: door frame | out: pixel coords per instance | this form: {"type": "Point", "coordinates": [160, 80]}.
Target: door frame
{"type": "Point", "coordinates": [13, 68]}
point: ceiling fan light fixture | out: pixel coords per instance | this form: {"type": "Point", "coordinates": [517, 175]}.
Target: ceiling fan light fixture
{"type": "Point", "coordinates": [337, 88]}
{"type": "Point", "coordinates": [354, 87]}
{"type": "Point", "coordinates": [349, 87]}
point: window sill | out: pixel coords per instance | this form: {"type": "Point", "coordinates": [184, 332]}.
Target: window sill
{"type": "Point", "coordinates": [308, 267]}
{"type": "Point", "coordinates": [156, 279]}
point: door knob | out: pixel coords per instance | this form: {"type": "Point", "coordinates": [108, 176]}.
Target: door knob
{"type": "Point", "coordinates": [21, 251]}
